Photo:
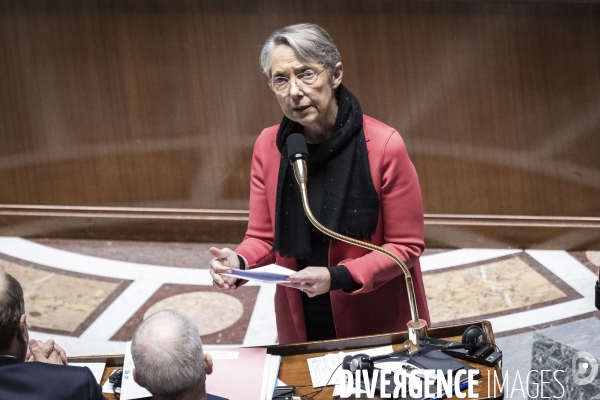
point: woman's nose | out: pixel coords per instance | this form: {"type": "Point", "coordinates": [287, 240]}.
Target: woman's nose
{"type": "Point", "coordinates": [294, 88]}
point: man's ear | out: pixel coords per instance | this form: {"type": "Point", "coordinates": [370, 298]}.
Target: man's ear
{"type": "Point", "coordinates": [208, 364]}
{"type": "Point", "coordinates": [23, 334]}
{"type": "Point", "coordinates": [135, 377]}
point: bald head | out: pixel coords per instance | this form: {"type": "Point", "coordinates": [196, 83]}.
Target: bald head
{"type": "Point", "coordinates": [168, 357]}
{"type": "Point", "coordinates": [161, 330]}
{"type": "Point", "coordinates": [12, 306]}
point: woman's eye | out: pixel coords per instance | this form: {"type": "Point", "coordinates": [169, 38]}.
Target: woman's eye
{"type": "Point", "coordinates": [280, 80]}
{"type": "Point", "coordinates": [308, 74]}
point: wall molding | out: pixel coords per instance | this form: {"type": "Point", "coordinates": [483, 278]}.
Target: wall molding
{"type": "Point", "coordinates": [228, 226]}
{"type": "Point", "coordinates": [123, 212]}
{"type": "Point", "coordinates": [512, 220]}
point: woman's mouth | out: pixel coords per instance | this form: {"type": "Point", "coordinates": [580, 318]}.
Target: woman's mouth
{"type": "Point", "coordinates": [300, 109]}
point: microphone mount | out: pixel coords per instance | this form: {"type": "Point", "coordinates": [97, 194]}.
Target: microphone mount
{"type": "Point", "coordinates": [297, 153]}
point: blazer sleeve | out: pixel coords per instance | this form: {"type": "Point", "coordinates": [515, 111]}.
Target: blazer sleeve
{"type": "Point", "coordinates": [258, 241]}
{"type": "Point", "coordinates": [95, 390]}
{"type": "Point", "coordinates": [402, 220]}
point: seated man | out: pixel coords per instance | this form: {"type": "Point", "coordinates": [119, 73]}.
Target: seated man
{"type": "Point", "coordinates": [35, 380]}
{"type": "Point", "coordinates": [168, 358]}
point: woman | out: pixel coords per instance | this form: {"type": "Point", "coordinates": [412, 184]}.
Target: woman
{"type": "Point", "coordinates": [361, 183]}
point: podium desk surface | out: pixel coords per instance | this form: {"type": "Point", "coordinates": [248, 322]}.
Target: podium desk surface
{"type": "Point", "coordinates": [294, 368]}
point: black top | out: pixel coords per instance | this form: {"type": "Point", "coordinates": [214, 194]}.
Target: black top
{"type": "Point", "coordinates": [318, 314]}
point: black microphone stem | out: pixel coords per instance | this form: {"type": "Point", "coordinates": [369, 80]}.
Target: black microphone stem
{"type": "Point", "coordinates": [598, 290]}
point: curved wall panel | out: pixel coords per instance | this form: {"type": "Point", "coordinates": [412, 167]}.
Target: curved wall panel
{"type": "Point", "coordinates": [158, 103]}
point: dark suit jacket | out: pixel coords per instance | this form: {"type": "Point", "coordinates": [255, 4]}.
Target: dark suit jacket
{"type": "Point", "coordinates": [39, 381]}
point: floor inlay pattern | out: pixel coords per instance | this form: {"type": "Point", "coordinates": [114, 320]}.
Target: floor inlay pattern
{"type": "Point", "coordinates": [222, 317]}
{"type": "Point", "coordinates": [60, 301]}
{"type": "Point", "coordinates": [92, 304]}
{"type": "Point", "coordinates": [491, 288]}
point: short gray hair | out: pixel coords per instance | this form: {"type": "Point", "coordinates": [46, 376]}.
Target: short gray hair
{"type": "Point", "coordinates": [167, 354]}
{"type": "Point", "coordinates": [310, 43]}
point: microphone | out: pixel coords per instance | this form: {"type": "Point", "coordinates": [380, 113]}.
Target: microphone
{"type": "Point", "coordinates": [297, 154]}
{"type": "Point", "coordinates": [598, 290]}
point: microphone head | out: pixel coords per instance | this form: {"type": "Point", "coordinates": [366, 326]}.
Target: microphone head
{"type": "Point", "coordinates": [296, 147]}
{"type": "Point", "coordinates": [474, 337]}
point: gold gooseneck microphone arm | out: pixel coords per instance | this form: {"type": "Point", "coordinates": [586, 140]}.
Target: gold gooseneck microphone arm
{"type": "Point", "coordinates": [417, 328]}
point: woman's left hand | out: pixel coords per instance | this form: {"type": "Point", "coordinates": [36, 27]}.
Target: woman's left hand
{"type": "Point", "coordinates": [311, 280]}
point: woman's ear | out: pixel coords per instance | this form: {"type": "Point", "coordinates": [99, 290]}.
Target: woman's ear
{"type": "Point", "coordinates": [336, 76]}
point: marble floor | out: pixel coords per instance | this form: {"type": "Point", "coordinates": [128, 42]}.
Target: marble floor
{"type": "Point", "coordinates": [90, 295]}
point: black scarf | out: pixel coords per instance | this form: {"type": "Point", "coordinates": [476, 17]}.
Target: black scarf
{"type": "Point", "coordinates": [350, 201]}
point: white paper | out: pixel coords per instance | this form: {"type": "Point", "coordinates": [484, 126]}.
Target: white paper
{"type": "Point", "coordinates": [271, 273]}
{"type": "Point", "coordinates": [108, 387]}
{"type": "Point", "coordinates": [130, 389]}
{"type": "Point", "coordinates": [97, 369]}
{"type": "Point", "coordinates": [272, 376]}
{"type": "Point", "coordinates": [322, 368]}
{"type": "Point", "coordinates": [265, 378]}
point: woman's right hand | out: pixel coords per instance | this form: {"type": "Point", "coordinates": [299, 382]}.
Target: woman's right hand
{"type": "Point", "coordinates": [225, 260]}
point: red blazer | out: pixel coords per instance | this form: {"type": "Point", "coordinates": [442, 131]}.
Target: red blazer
{"type": "Point", "coordinates": [380, 305]}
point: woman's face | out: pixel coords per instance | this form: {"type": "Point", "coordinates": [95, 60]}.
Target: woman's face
{"type": "Point", "coordinates": [312, 106]}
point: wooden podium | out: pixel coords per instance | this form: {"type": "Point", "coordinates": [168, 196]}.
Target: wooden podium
{"type": "Point", "coordinates": [294, 369]}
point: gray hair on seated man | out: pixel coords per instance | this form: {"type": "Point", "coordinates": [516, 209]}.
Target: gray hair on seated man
{"type": "Point", "coordinates": [168, 357]}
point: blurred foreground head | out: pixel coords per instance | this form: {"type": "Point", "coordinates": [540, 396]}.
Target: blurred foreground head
{"type": "Point", "coordinates": [13, 327]}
